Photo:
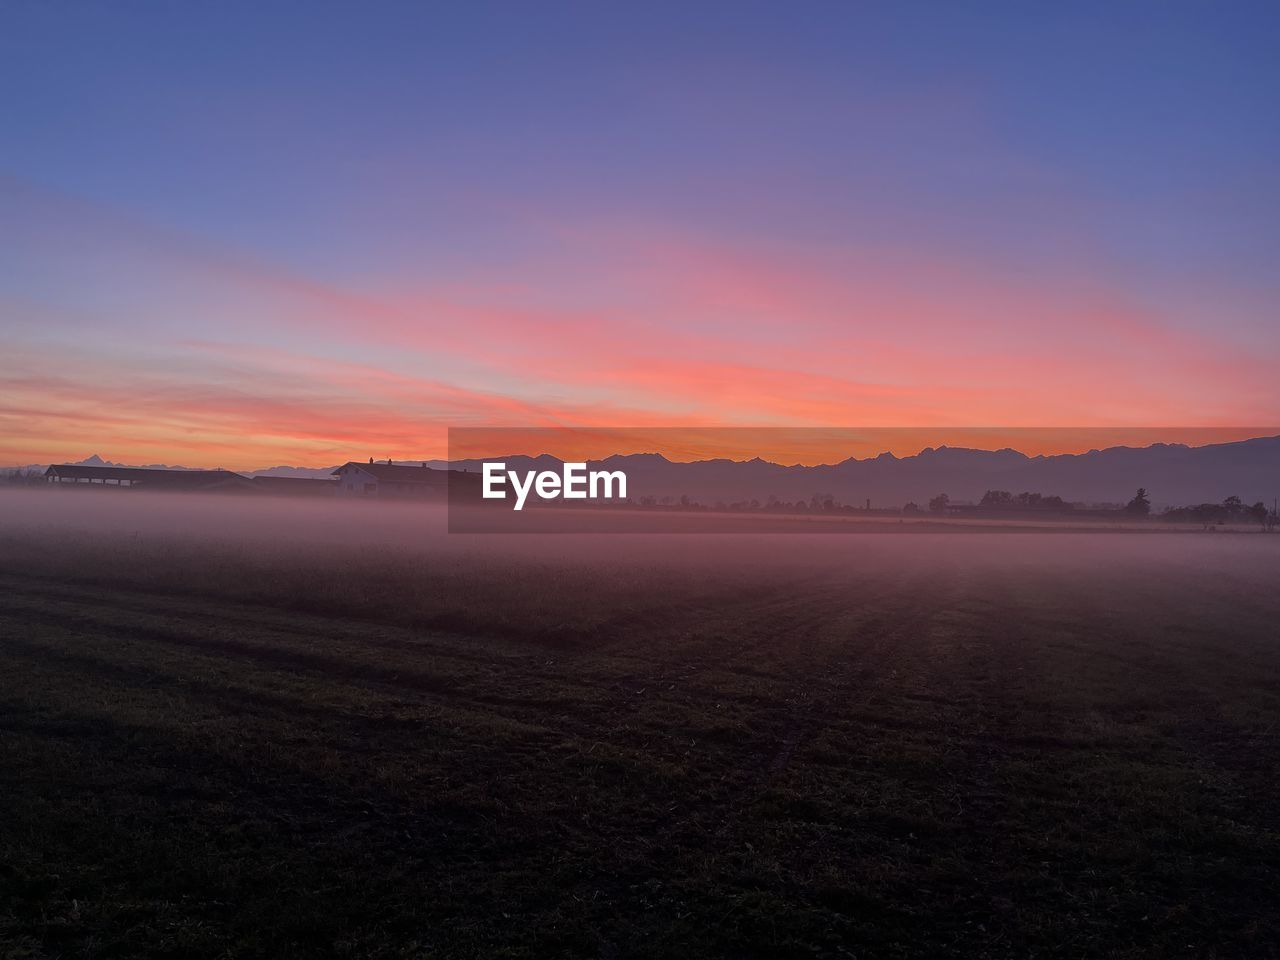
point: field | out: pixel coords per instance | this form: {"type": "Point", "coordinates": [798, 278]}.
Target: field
{"type": "Point", "coordinates": [313, 729]}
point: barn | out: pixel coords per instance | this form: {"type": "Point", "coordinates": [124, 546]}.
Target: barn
{"type": "Point", "coordinates": [187, 481]}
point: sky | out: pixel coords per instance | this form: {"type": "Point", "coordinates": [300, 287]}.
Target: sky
{"type": "Point", "coordinates": [243, 235]}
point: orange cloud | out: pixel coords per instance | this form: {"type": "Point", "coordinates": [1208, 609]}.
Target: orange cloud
{"type": "Point", "coordinates": [179, 350]}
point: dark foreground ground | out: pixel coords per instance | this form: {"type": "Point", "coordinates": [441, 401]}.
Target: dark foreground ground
{"type": "Point", "coordinates": [982, 753]}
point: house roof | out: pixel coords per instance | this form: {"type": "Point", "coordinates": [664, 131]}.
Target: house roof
{"type": "Point", "coordinates": [144, 475]}
{"type": "Point", "coordinates": [399, 473]}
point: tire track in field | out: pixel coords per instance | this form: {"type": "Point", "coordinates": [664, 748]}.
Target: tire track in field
{"type": "Point", "coordinates": [237, 613]}
{"type": "Point", "coordinates": [465, 682]}
{"type": "Point", "coordinates": [852, 637]}
{"type": "Point", "coordinates": [883, 630]}
{"type": "Point", "coordinates": [886, 633]}
{"type": "Point", "coordinates": [127, 653]}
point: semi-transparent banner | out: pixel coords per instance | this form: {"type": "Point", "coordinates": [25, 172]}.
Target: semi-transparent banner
{"type": "Point", "coordinates": [857, 479]}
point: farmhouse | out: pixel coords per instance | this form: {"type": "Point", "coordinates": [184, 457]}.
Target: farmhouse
{"type": "Point", "coordinates": [391, 480]}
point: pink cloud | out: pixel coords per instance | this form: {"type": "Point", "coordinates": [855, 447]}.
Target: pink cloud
{"type": "Point", "coordinates": [186, 348]}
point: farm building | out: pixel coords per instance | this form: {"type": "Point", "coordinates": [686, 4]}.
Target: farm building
{"type": "Point", "coordinates": [184, 481]}
{"type": "Point", "coordinates": [390, 480]}
{"type": "Point", "coordinates": [150, 479]}
{"type": "Point", "coordinates": [394, 480]}
{"type": "Point", "coordinates": [361, 480]}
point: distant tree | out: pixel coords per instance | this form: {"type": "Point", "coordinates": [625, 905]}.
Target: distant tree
{"type": "Point", "coordinates": [911, 507]}
{"type": "Point", "coordinates": [1140, 505]}
{"type": "Point", "coordinates": [1209, 514]}
{"type": "Point", "coordinates": [1205, 514]}
{"type": "Point", "coordinates": [20, 476]}
{"type": "Point", "coordinates": [1260, 514]}
{"type": "Point", "coordinates": [939, 503]}
{"type": "Point", "coordinates": [1233, 505]}
{"type": "Point", "coordinates": [997, 498]}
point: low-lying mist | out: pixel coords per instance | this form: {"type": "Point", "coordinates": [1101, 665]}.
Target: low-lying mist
{"type": "Point", "coordinates": [395, 562]}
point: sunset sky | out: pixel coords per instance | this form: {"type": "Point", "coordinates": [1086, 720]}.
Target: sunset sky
{"type": "Point", "coordinates": [247, 235]}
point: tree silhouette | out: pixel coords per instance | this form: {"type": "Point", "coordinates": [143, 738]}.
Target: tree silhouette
{"type": "Point", "coordinates": [1209, 514]}
{"type": "Point", "coordinates": [1140, 505]}
{"type": "Point", "coordinates": [939, 503]}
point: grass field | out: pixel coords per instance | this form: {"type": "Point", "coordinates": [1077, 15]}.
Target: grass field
{"type": "Point", "coordinates": [334, 731]}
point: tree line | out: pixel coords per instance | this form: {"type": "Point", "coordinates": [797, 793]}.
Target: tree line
{"type": "Point", "coordinates": [1230, 510]}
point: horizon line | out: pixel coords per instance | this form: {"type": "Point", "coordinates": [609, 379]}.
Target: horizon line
{"type": "Point", "coordinates": [424, 461]}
